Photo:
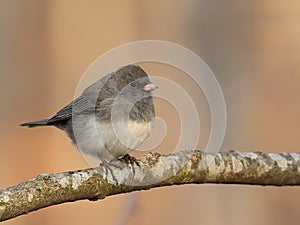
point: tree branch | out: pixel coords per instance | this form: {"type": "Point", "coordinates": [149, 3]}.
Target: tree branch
{"type": "Point", "coordinates": [154, 170]}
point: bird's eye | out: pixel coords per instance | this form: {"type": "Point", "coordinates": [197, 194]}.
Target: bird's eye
{"type": "Point", "coordinates": [133, 84]}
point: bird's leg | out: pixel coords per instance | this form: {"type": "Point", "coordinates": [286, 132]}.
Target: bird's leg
{"type": "Point", "coordinates": [130, 160]}
{"type": "Point", "coordinates": [107, 166]}
{"type": "Point", "coordinates": [120, 163]}
{"type": "Point", "coordinates": [108, 170]}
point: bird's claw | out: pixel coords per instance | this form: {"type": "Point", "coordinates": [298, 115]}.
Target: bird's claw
{"type": "Point", "coordinates": [128, 159]}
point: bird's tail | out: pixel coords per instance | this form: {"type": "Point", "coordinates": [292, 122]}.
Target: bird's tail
{"type": "Point", "coordinates": [36, 123]}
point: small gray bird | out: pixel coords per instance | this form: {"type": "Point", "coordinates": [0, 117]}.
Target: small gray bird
{"type": "Point", "coordinates": [112, 117]}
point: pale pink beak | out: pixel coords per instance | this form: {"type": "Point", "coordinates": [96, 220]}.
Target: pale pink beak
{"type": "Point", "coordinates": [150, 87]}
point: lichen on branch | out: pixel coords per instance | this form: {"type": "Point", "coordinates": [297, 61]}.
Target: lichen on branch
{"type": "Point", "coordinates": [154, 170]}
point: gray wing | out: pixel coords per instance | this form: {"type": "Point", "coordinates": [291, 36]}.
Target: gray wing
{"type": "Point", "coordinates": [78, 106]}
{"type": "Point", "coordinates": [88, 102]}
{"type": "Point", "coordinates": [103, 109]}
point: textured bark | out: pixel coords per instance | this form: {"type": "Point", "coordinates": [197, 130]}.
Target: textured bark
{"type": "Point", "coordinates": [154, 170]}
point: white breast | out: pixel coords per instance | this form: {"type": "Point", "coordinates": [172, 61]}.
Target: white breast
{"type": "Point", "coordinates": [122, 137]}
{"type": "Point", "coordinates": [139, 130]}
{"type": "Point", "coordinates": [109, 140]}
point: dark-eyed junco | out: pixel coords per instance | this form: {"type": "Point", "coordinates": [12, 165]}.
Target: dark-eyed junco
{"type": "Point", "coordinates": [112, 117]}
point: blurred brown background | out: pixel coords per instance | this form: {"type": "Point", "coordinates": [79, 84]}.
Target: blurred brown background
{"type": "Point", "coordinates": [253, 47]}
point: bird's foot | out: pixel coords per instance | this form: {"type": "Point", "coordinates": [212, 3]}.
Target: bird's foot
{"type": "Point", "coordinates": [108, 170]}
{"type": "Point", "coordinates": [130, 160]}
{"type": "Point", "coordinates": [120, 163]}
